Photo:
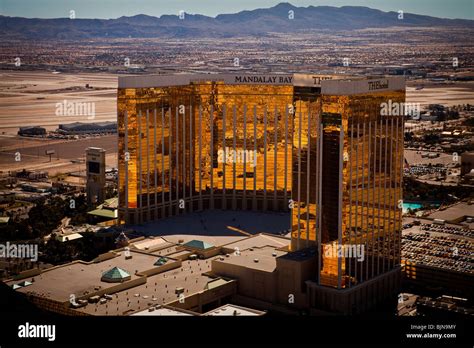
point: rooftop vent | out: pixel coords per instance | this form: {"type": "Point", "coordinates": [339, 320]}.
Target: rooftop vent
{"type": "Point", "coordinates": [255, 260]}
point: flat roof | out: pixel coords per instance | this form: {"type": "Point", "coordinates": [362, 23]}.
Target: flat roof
{"type": "Point", "coordinates": [169, 250]}
{"type": "Point", "coordinates": [91, 148]}
{"type": "Point", "coordinates": [179, 253]}
{"type": "Point", "coordinates": [60, 282]}
{"type": "Point", "coordinates": [361, 86]}
{"type": "Point", "coordinates": [107, 213]}
{"type": "Point", "coordinates": [345, 84]}
{"type": "Point", "coordinates": [414, 157]}
{"type": "Point", "coordinates": [265, 256]}
{"type": "Point", "coordinates": [68, 237]}
{"type": "Point", "coordinates": [214, 240]}
{"type": "Point", "coordinates": [454, 212]}
{"type": "Point", "coordinates": [259, 241]}
{"type": "Point", "coordinates": [151, 244]}
{"type": "Point", "coordinates": [234, 310]}
{"type": "Point", "coordinates": [149, 81]}
{"type": "Point", "coordinates": [158, 290]}
{"type": "Point", "coordinates": [162, 311]}
{"type": "Point", "coordinates": [79, 278]}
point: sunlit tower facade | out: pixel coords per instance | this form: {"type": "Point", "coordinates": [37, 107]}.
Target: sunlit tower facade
{"type": "Point", "coordinates": [315, 146]}
{"type": "Point", "coordinates": [359, 180]}
{"type": "Point", "coordinates": [196, 142]}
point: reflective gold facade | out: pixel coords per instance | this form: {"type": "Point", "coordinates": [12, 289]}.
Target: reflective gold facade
{"type": "Point", "coordinates": [204, 145]}
{"type": "Point", "coordinates": [319, 150]}
{"type": "Point", "coordinates": [361, 181]}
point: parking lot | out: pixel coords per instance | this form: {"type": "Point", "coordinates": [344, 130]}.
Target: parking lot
{"type": "Point", "coordinates": [444, 246]}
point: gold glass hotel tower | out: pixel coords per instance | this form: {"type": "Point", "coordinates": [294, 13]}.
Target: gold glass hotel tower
{"type": "Point", "coordinates": [315, 146]}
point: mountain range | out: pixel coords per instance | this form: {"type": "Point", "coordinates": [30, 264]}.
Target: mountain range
{"type": "Point", "coordinates": [254, 23]}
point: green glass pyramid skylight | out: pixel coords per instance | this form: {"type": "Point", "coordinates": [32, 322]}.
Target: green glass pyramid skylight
{"type": "Point", "coordinates": [115, 274]}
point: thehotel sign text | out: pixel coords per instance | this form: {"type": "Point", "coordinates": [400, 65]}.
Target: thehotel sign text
{"type": "Point", "coordinates": [379, 84]}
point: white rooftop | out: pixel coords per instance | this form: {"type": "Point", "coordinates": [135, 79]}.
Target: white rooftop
{"type": "Point", "coordinates": [233, 310]}
{"type": "Point", "coordinates": [162, 311]}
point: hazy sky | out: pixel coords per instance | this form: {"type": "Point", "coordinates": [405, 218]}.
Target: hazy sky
{"type": "Point", "coordinates": [117, 8]}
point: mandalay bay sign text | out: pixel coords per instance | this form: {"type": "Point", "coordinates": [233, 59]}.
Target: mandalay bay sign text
{"type": "Point", "coordinates": [307, 80]}
{"type": "Point", "coordinates": [263, 79]}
